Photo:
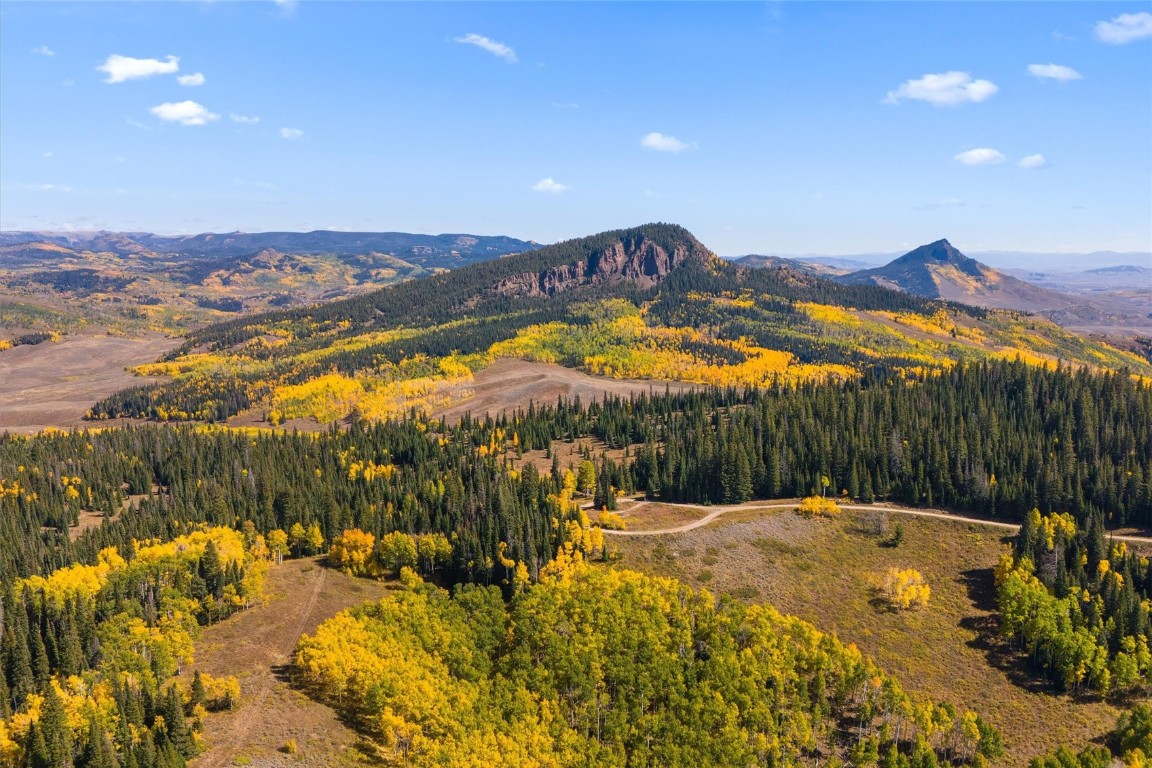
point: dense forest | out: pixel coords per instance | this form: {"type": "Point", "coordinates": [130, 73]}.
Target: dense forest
{"type": "Point", "coordinates": [999, 438]}
{"type": "Point", "coordinates": [457, 503]}
{"type": "Point", "coordinates": [90, 653]}
{"type": "Point", "coordinates": [597, 667]}
{"type": "Point", "coordinates": [1078, 604]}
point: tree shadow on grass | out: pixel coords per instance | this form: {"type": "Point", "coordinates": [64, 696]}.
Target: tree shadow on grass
{"type": "Point", "coordinates": [998, 651]}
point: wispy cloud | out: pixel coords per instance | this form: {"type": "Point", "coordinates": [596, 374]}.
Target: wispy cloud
{"type": "Point", "coordinates": [550, 186]}
{"type": "Point", "coordinates": [1054, 72]}
{"type": "Point", "coordinates": [659, 142]}
{"type": "Point", "coordinates": [43, 50]}
{"type": "Point", "coordinates": [1125, 28]}
{"type": "Point", "coordinates": [980, 156]}
{"type": "Point", "coordinates": [946, 89]}
{"type": "Point", "coordinates": [49, 187]}
{"type": "Point", "coordinates": [1034, 161]}
{"type": "Point", "coordinates": [244, 119]}
{"type": "Point", "coordinates": [49, 153]}
{"type": "Point", "coordinates": [192, 80]}
{"type": "Point", "coordinates": [291, 134]}
{"type": "Point", "coordinates": [184, 113]}
{"type": "Point", "coordinates": [488, 44]}
{"type": "Point", "coordinates": [121, 68]}
{"type": "Point", "coordinates": [565, 105]}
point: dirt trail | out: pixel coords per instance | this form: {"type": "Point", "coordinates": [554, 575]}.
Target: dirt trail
{"type": "Point", "coordinates": [715, 512]}
{"type": "Point", "coordinates": [256, 646]}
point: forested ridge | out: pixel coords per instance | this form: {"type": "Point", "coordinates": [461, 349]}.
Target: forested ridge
{"type": "Point", "coordinates": [649, 302]}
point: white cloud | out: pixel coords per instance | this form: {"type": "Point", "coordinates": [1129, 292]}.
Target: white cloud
{"type": "Point", "coordinates": [291, 134]}
{"type": "Point", "coordinates": [550, 185]}
{"type": "Point", "coordinates": [184, 113]}
{"type": "Point", "coordinates": [50, 187]}
{"type": "Point", "coordinates": [493, 47]}
{"type": "Point", "coordinates": [1034, 161]}
{"type": "Point", "coordinates": [945, 89]}
{"type": "Point", "coordinates": [565, 105]}
{"type": "Point", "coordinates": [191, 81]}
{"type": "Point", "coordinates": [980, 156]}
{"type": "Point", "coordinates": [120, 68]}
{"type": "Point", "coordinates": [660, 143]}
{"type": "Point", "coordinates": [43, 50]}
{"type": "Point", "coordinates": [244, 119]}
{"type": "Point", "coordinates": [1054, 72]}
{"type": "Point", "coordinates": [1125, 28]}
{"type": "Point", "coordinates": [49, 153]}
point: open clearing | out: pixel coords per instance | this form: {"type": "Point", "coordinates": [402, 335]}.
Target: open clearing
{"type": "Point", "coordinates": [826, 571]}
{"type": "Point", "coordinates": [510, 383]}
{"type": "Point", "coordinates": [53, 384]}
{"type": "Point", "coordinates": [257, 646]}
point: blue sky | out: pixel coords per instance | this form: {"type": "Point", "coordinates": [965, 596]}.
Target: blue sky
{"type": "Point", "coordinates": [784, 127]}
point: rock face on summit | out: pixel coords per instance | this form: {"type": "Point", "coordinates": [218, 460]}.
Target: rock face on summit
{"type": "Point", "coordinates": [940, 271]}
{"type": "Point", "coordinates": [635, 259]}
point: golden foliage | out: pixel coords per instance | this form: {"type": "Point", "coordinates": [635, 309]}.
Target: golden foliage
{"type": "Point", "coordinates": [906, 588]}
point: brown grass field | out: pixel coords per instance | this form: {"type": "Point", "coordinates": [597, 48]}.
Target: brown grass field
{"type": "Point", "coordinates": [53, 384]}
{"type": "Point", "coordinates": [827, 571]}
{"type": "Point", "coordinates": [509, 384]}
{"type": "Point", "coordinates": [257, 646]}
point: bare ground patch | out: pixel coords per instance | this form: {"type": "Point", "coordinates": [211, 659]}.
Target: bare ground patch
{"type": "Point", "coordinates": [509, 384]}
{"type": "Point", "coordinates": [825, 571]}
{"type": "Point", "coordinates": [257, 647]}
{"type": "Point", "coordinates": [53, 384]}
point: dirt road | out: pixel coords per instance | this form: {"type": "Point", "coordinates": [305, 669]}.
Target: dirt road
{"type": "Point", "coordinates": [715, 512]}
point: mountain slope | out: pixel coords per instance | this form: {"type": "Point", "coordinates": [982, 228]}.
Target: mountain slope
{"type": "Point", "coordinates": [939, 271]}
{"type": "Point", "coordinates": [644, 303]}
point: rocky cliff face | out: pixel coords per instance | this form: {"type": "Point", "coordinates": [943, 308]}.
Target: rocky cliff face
{"type": "Point", "coordinates": [637, 260]}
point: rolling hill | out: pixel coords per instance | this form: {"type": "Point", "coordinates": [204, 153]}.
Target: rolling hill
{"type": "Point", "coordinates": [650, 302]}
{"type": "Point", "coordinates": [140, 281]}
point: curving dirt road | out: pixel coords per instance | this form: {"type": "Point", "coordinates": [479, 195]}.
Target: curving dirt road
{"type": "Point", "coordinates": [715, 512]}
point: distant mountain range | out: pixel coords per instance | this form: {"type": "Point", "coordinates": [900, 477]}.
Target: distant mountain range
{"type": "Point", "coordinates": [427, 251]}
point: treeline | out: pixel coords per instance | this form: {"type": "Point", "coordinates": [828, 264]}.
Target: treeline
{"type": "Point", "coordinates": [1078, 604]}
{"type": "Point", "coordinates": [1000, 438]}
{"type": "Point", "coordinates": [90, 653]}
{"type": "Point", "coordinates": [614, 668]}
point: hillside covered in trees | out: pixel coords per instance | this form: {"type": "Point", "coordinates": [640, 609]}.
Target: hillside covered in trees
{"type": "Point", "coordinates": [614, 668]}
{"type": "Point", "coordinates": [650, 302]}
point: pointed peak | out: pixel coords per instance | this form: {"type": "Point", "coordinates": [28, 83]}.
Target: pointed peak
{"type": "Point", "coordinates": [941, 250]}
